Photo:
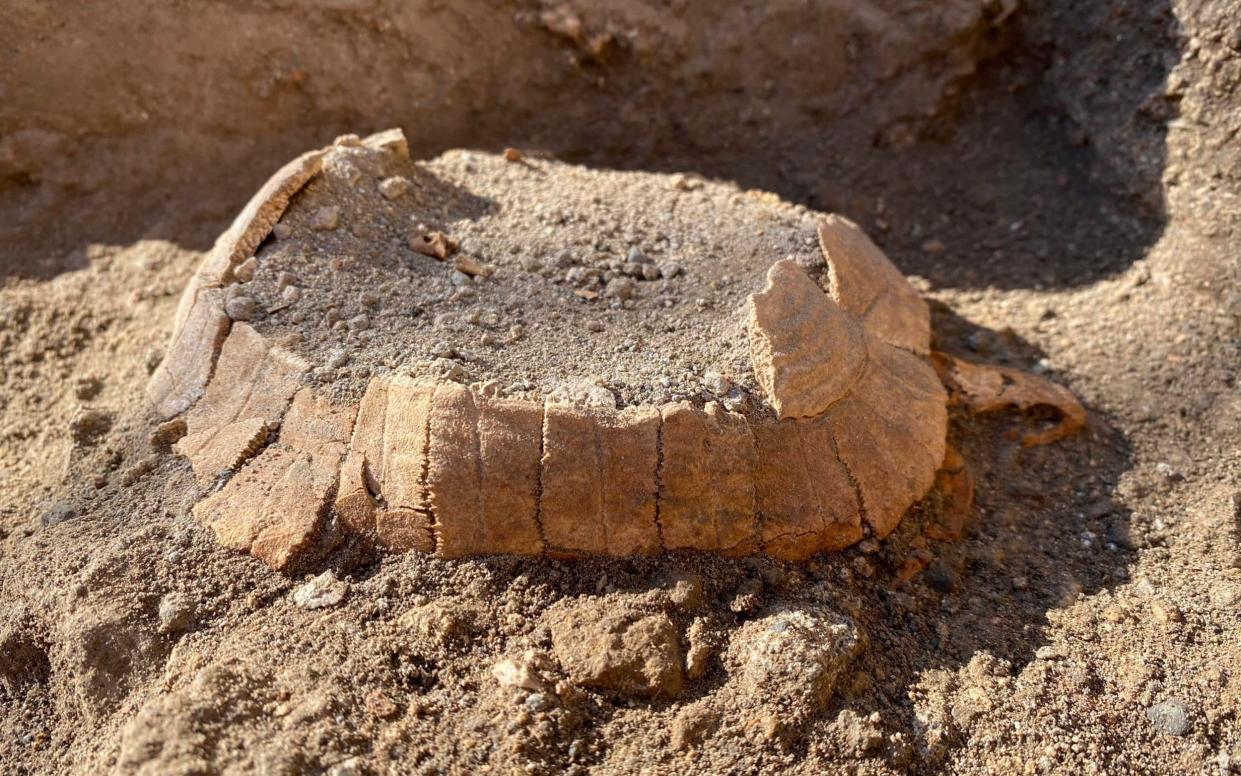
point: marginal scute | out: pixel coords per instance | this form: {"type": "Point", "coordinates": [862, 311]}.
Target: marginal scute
{"type": "Point", "coordinates": [806, 351]}
{"type": "Point", "coordinates": [180, 378]}
{"type": "Point", "coordinates": [277, 506]}
{"type": "Point", "coordinates": [388, 459]}
{"type": "Point", "coordinates": [598, 480]}
{"type": "Point", "coordinates": [805, 501]}
{"type": "Point", "coordinates": [870, 287]}
{"type": "Point", "coordinates": [889, 433]}
{"type": "Point", "coordinates": [200, 324]}
{"type": "Point", "coordinates": [707, 495]}
{"type": "Point", "coordinates": [253, 384]}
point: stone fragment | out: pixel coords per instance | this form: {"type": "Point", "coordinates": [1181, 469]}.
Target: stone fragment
{"type": "Point", "coordinates": [325, 219]}
{"type": "Point", "coordinates": [1170, 717]}
{"type": "Point", "coordinates": [391, 140]}
{"type": "Point", "coordinates": [471, 266]}
{"type": "Point", "coordinates": [321, 592]}
{"type": "Point", "coordinates": [519, 673]}
{"type": "Point", "coordinates": [176, 613]}
{"type": "Point", "coordinates": [869, 286]}
{"type": "Point", "coordinates": [241, 308]}
{"type": "Point", "coordinates": [706, 480]}
{"type": "Point", "coordinates": [394, 187]}
{"type": "Point", "coordinates": [793, 658]}
{"type": "Point", "coordinates": [629, 652]}
{"type": "Point", "coordinates": [807, 353]}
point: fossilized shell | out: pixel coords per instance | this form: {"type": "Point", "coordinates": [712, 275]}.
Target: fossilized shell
{"type": "Point", "coordinates": [855, 437]}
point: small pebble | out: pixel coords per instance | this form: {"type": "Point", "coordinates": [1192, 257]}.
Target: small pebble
{"type": "Point", "coordinates": [359, 323]}
{"type": "Point", "coordinates": [246, 269]}
{"type": "Point", "coordinates": [394, 187]}
{"type": "Point", "coordinates": [89, 424]}
{"type": "Point", "coordinates": [176, 613]}
{"type": "Point", "coordinates": [291, 294]}
{"type": "Point", "coordinates": [325, 219]}
{"type": "Point", "coordinates": [716, 383]}
{"type": "Point", "coordinates": [620, 288]}
{"type": "Point", "coordinates": [241, 308]}
{"type": "Point", "coordinates": [1170, 717]}
{"type": "Point", "coordinates": [321, 592]}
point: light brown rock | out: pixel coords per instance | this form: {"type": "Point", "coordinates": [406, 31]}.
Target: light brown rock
{"type": "Point", "coordinates": [869, 286]}
{"type": "Point", "coordinates": [625, 651]}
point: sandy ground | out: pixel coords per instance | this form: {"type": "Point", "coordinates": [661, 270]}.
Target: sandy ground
{"type": "Point", "coordinates": [1063, 180]}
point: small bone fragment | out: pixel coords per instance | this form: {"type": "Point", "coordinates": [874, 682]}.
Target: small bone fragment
{"type": "Point", "coordinates": [869, 286]}
{"type": "Point", "coordinates": [806, 351]}
{"type": "Point", "coordinates": [437, 245]}
{"type": "Point", "coordinates": [472, 266]}
{"type": "Point", "coordinates": [985, 388]}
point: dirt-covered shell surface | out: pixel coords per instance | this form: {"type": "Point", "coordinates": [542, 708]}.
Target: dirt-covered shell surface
{"type": "Point", "coordinates": [469, 356]}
